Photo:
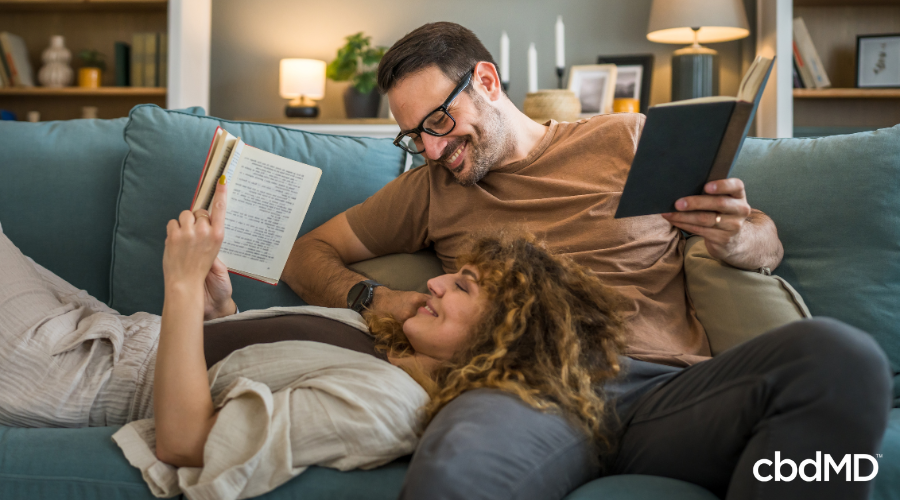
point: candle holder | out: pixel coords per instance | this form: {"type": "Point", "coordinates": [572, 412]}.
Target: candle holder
{"type": "Point", "coordinates": [559, 74]}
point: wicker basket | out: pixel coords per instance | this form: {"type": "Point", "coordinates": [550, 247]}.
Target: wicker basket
{"type": "Point", "coordinates": [557, 104]}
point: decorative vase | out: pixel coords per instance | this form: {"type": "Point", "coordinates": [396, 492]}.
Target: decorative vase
{"type": "Point", "coordinates": [557, 104]}
{"type": "Point", "coordinates": [89, 77]}
{"type": "Point", "coordinates": [56, 71]}
{"type": "Point", "coordinates": [360, 105]}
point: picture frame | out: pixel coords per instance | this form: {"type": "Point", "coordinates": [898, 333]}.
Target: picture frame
{"type": "Point", "coordinates": [638, 67]}
{"type": "Point", "coordinates": [878, 61]}
{"type": "Point", "coordinates": [595, 87]}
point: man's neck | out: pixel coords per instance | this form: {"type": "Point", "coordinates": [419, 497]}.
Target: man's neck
{"type": "Point", "coordinates": [526, 132]}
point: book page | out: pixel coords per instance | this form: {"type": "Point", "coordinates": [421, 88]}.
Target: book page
{"type": "Point", "coordinates": [753, 79]}
{"type": "Point", "coordinates": [268, 197]}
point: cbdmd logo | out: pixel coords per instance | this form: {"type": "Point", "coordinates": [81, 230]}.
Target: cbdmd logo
{"type": "Point", "coordinates": [817, 465]}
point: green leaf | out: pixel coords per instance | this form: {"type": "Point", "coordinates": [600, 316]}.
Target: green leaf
{"type": "Point", "coordinates": [364, 82]}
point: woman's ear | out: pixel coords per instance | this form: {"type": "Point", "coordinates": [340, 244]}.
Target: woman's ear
{"type": "Point", "coordinates": [487, 80]}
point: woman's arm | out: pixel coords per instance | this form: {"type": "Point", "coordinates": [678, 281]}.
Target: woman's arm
{"type": "Point", "coordinates": [182, 402]}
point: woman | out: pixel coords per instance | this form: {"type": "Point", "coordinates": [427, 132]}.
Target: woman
{"type": "Point", "coordinates": [513, 318]}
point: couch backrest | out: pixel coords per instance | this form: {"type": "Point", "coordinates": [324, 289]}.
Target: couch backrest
{"type": "Point", "coordinates": [166, 152]}
{"type": "Point", "coordinates": [59, 182]}
{"type": "Point", "coordinates": [836, 203]}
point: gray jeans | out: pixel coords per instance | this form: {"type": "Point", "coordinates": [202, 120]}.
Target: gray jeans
{"type": "Point", "coordinates": [814, 385]}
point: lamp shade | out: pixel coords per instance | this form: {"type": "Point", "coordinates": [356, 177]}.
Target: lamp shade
{"type": "Point", "coordinates": [719, 21]}
{"type": "Point", "coordinates": [302, 77]}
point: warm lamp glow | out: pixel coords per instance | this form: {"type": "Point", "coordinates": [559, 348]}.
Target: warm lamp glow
{"type": "Point", "coordinates": [302, 78]}
{"type": "Point", "coordinates": [671, 21]}
{"type": "Point", "coordinates": [707, 34]}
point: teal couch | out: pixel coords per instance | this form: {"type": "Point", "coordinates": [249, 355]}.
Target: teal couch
{"type": "Point", "coordinates": [89, 200]}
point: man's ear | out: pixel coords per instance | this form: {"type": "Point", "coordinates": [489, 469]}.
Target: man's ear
{"type": "Point", "coordinates": [487, 79]}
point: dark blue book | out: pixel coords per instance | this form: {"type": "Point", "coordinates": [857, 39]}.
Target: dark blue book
{"type": "Point", "coordinates": [686, 144]}
{"type": "Point", "coordinates": [123, 64]}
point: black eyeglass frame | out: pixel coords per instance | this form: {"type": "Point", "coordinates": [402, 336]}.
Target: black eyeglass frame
{"type": "Point", "coordinates": [444, 108]}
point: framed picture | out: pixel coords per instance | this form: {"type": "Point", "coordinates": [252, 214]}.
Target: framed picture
{"type": "Point", "coordinates": [635, 74]}
{"type": "Point", "coordinates": [878, 61]}
{"type": "Point", "coordinates": [595, 86]}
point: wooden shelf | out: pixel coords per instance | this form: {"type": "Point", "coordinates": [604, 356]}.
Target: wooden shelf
{"type": "Point", "coordinates": [81, 5]}
{"type": "Point", "coordinates": [843, 3]}
{"type": "Point", "coordinates": [79, 91]}
{"type": "Point", "coordinates": [283, 120]}
{"type": "Point", "coordinates": [839, 93]}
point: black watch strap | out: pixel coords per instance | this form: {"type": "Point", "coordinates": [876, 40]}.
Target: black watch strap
{"type": "Point", "coordinates": [361, 295]}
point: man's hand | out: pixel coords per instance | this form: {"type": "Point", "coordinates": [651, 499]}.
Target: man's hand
{"type": "Point", "coordinates": [401, 305]}
{"type": "Point", "coordinates": [720, 217]}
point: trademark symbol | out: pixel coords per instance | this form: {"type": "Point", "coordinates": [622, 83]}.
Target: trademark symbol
{"type": "Point", "coordinates": [879, 455]}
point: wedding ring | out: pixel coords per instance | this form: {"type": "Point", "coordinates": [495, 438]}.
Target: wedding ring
{"type": "Point", "coordinates": [201, 214]}
{"type": "Point", "coordinates": [718, 220]}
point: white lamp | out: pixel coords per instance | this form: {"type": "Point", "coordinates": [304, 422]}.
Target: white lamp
{"type": "Point", "coordinates": [302, 81]}
{"type": "Point", "coordinates": [695, 68]}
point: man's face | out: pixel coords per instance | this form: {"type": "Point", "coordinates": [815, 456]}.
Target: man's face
{"type": "Point", "coordinates": [481, 138]}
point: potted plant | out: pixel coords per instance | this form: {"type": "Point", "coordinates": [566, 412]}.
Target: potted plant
{"type": "Point", "coordinates": [357, 62]}
{"type": "Point", "coordinates": [92, 68]}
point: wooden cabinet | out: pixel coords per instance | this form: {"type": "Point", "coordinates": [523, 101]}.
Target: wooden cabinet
{"type": "Point", "coordinates": [98, 24]}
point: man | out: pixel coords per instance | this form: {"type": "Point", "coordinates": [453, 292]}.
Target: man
{"type": "Point", "coordinates": [491, 167]}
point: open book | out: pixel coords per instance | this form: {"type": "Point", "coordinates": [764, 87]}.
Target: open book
{"type": "Point", "coordinates": [268, 196]}
{"type": "Point", "coordinates": [686, 144]}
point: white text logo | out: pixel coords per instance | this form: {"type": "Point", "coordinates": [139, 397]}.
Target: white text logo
{"type": "Point", "coordinates": [816, 465]}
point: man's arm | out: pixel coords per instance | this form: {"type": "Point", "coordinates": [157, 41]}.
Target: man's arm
{"type": "Point", "coordinates": [317, 270]}
{"type": "Point", "coordinates": [735, 234]}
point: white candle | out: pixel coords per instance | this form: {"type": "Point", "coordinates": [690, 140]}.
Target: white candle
{"type": "Point", "coordinates": [532, 68]}
{"type": "Point", "coordinates": [504, 58]}
{"type": "Point", "coordinates": [560, 43]}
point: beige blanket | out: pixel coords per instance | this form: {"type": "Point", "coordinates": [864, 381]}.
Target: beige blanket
{"type": "Point", "coordinates": [283, 407]}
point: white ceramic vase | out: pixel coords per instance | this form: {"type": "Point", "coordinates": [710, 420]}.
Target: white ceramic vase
{"type": "Point", "coordinates": [56, 71]}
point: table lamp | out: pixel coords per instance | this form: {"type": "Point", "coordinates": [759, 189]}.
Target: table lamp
{"type": "Point", "coordinates": [695, 69]}
{"type": "Point", "coordinates": [302, 81]}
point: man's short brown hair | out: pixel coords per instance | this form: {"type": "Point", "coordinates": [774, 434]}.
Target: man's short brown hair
{"type": "Point", "coordinates": [452, 48]}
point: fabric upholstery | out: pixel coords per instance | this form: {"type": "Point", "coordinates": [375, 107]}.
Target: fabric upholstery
{"type": "Point", "coordinates": [835, 203]}
{"type": "Point", "coordinates": [735, 305]}
{"type": "Point", "coordinates": [59, 182]}
{"type": "Point", "coordinates": [167, 150]}
{"type": "Point", "coordinates": [640, 487]}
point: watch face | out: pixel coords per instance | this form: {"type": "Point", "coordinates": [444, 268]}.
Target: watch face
{"type": "Point", "coordinates": [358, 297]}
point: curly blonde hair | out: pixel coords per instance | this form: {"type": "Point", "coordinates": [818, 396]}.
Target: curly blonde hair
{"type": "Point", "coordinates": [550, 334]}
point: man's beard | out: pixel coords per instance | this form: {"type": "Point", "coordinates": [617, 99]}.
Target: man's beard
{"type": "Point", "coordinates": [495, 143]}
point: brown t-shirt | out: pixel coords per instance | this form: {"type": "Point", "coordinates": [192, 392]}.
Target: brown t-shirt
{"type": "Point", "coordinates": [565, 192]}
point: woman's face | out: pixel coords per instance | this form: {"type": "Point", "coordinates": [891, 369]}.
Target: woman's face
{"type": "Point", "coordinates": [442, 326]}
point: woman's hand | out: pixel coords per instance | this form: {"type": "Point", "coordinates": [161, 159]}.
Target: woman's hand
{"type": "Point", "coordinates": [192, 245]}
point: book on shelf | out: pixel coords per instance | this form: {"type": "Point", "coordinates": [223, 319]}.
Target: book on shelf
{"type": "Point", "coordinates": [806, 51]}
{"type": "Point", "coordinates": [268, 197]}
{"type": "Point", "coordinates": [685, 144]}
{"type": "Point", "coordinates": [15, 56]}
{"type": "Point", "coordinates": [163, 71]}
{"type": "Point", "coordinates": [795, 74]}
{"type": "Point", "coordinates": [151, 59]}
{"type": "Point", "coordinates": [123, 64]}
{"type": "Point", "coordinates": [137, 60]}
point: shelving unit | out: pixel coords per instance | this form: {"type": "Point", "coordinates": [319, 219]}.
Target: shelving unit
{"type": "Point", "coordinates": [98, 24]}
{"type": "Point", "coordinates": [833, 26]}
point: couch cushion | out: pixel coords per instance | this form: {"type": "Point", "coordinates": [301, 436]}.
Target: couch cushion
{"type": "Point", "coordinates": [735, 305]}
{"type": "Point", "coordinates": [166, 155]}
{"type": "Point", "coordinates": [836, 205]}
{"type": "Point", "coordinates": [639, 487]}
{"type": "Point", "coordinates": [66, 463]}
{"type": "Point", "coordinates": [58, 187]}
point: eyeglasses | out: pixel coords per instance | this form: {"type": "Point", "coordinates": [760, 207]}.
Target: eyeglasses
{"type": "Point", "coordinates": [438, 123]}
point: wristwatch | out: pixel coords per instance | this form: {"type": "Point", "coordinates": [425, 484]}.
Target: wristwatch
{"type": "Point", "coordinates": [361, 295]}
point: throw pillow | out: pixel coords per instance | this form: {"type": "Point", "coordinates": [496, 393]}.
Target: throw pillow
{"type": "Point", "coordinates": [166, 155]}
{"type": "Point", "coordinates": [402, 271]}
{"type": "Point", "coordinates": [835, 203]}
{"type": "Point", "coordinates": [734, 305]}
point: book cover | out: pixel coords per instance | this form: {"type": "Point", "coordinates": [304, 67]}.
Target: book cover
{"type": "Point", "coordinates": [5, 77]}
{"type": "Point", "coordinates": [123, 64]}
{"type": "Point", "coordinates": [805, 75]}
{"type": "Point", "coordinates": [16, 54]}
{"type": "Point", "coordinates": [137, 60]}
{"type": "Point", "coordinates": [163, 60]}
{"type": "Point", "coordinates": [810, 54]}
{"type": "Point", "coordinates": [686, 144]}
{"type": "Point", "coordinates": [151, 59]}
